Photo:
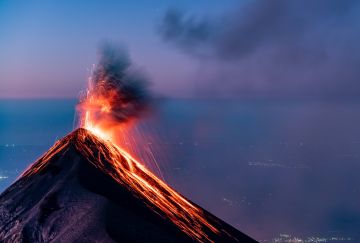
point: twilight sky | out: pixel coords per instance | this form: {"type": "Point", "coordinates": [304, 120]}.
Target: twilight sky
{"type": "Point", "coordinates": [203, 48]}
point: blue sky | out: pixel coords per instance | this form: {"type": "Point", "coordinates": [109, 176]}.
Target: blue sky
{"type": "Point", "coordinates": [48, 47]}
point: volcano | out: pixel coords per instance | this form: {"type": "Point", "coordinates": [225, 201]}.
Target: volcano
{"type": "Point", "coordinates": [85, 189]}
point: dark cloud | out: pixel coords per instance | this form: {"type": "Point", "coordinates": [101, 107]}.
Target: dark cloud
{"type": "Point", "coordinates": [190, 34]}
{"type": "Point", "coordinates": [281, 47]}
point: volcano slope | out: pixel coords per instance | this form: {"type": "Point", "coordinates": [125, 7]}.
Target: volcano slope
{"type": "Point", "coordinates": [85, 189]}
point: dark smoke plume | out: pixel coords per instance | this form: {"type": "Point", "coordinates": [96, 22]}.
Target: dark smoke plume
{"type": "Point", "coordinates": [117, 81]}
{"type": "Point", "coordinates": [273, 48]}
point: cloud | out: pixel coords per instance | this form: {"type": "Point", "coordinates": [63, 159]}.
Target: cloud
{"type": "Point", "coordinates": [273, 48]}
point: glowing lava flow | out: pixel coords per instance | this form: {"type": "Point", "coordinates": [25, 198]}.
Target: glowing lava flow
{"type": "Point", "coordinates": [129, 172]}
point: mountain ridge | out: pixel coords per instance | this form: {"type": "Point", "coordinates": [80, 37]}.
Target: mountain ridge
{"type": "Point", "coordinates": [62, 189]}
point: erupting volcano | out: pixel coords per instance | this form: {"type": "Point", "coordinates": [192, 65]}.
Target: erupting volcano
{"type": "Point", "coordinates": [88, 188]}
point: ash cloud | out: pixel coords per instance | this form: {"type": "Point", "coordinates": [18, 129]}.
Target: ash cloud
{"type": "Point", "coordinates": [273, 48]}
{"type": "Point", "coordinates": [123, 86]}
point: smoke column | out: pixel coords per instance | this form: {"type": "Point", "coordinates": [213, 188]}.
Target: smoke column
{"type": "Point", "coordinates": [116, 96]}
{"type": "Point", "coordinates": [117, 92]}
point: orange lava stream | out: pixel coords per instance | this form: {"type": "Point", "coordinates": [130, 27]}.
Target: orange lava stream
{"type": "Point", "coordinates": [95, 111]}
{"type": "Point", "coordinates": [41, 163]}
{"type": "Point", "coordinates": [129, 172]}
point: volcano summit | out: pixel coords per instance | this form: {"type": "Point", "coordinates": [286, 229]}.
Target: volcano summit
{"type": "Point", "coordinates": [85, 189]}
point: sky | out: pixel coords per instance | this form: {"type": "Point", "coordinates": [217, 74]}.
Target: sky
{"type": "Point", "coordinates": [203, 48]}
